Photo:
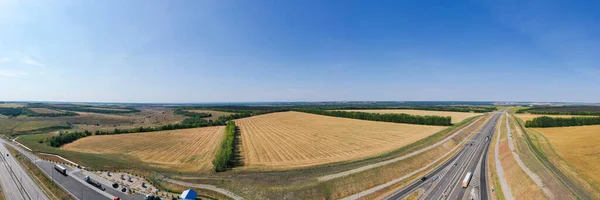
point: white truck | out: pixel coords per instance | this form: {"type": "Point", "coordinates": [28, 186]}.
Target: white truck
{"type": "Point", "coordinates": [467, 179]}
{"type": "Point", "coordinates": [61, 169]}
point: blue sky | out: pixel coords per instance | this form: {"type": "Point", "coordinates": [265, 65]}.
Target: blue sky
{"type": "Point", "coordinates": [239, 51]}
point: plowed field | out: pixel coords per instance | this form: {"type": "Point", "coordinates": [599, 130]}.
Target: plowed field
{"type": "Point", "coordinates": [184, 150]}
{"type": "Point", "coordinates": [294, 139]}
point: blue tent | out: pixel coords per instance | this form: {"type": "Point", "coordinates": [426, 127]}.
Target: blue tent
{"type": "Point", "coordinates": [188, 195]}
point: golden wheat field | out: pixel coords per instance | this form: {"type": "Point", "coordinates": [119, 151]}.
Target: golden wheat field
{"type": "Point", "coordinates": [456, 116]}
{"type": "Point", "coordinates": [527, 117]}
{"type": "Point", "coordinates": [294, 139]}
{"type": "Point", "coordinates": [579, 147]}
{"type": "Point", "coordinates": [44, 110]}
{"type": "Point", "coordinates": [186, 150]}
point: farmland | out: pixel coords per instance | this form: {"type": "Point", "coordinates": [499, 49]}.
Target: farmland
{"type": "Point", "coordinates": [44, 110]}
{"type": "Point", "coordinates": [527, 117]}
{"type": "Point", "coordinates": [578, 146]}
{"type": "Point", "coordinates": [294, 140]}
{"type": "Point", "coordinates": [215, 114]}
{"type": "Point", "coordinates": [11, 105]}
{"type": "Point", "coordinates": [186, 150]}
{"type": "Point", "coordinates": [147, 117]}
{"type": "Point", "coordinates": [456, 116]}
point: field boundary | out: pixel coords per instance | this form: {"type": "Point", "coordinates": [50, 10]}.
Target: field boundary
{"type": "Point", "coordinates": [536, 179]}
{"type": "Point", "coordinates": [539, 154]}
{"type": "Point", "coordinates": [499, 170]}
{"type": "Point", "coordinates": [207, 187]}
{"type": "Point", "coordinates": [379, 164]}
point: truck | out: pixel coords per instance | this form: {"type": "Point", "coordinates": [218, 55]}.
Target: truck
{"type": "Point", "coordinates": [61, 169]}
{"type": "Point", "coordinates": [467, 179]}
{"type": "Point", "coordinates": [94, 183]}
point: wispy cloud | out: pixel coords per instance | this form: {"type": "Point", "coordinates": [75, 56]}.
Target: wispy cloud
{"type": "Point", "coordinates": [5, 59]}
{"type": "Point", "coordinates": [12, 73]}
{"type": "Point", "coordinates": [30, 61]}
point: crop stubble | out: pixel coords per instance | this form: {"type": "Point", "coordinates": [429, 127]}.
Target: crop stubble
{"type": "Point", "coordinates": [294, 139]}
{"type": "Point", "coordinates": [184, 150]}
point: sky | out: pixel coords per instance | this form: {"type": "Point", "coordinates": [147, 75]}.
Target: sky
{"type": "Point", "coordinates": [311, 50]}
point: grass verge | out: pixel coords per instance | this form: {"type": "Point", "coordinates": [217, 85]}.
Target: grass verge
{"type": "Point", "coordinates": [493, 176]}
{"type": "Point", "coordinates": [55, 191]}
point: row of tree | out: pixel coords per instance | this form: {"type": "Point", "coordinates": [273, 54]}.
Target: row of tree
{"type": "Point", "coordinates": [563, 110]}
{"type": "Point", "coordinates": [190, 122]}
{"type": "Point", "coordinates": [545, 121]}
{"type": "Point", "coordinates": [13, 112]}
{"type": "Point", "coordinates": [87, 108]}
{"type": "Point", "coordinates": [182, 112]}
{"type": "Point", "coordinates": [393, 117]}
{"type": "Point", "coordinates": [65, 138]}
{"type": "Point", "coordinates": [224, 157]}
{"type": "Point", "coordinates": [475, 109]}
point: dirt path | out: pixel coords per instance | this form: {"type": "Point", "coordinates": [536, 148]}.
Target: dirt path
{"type": "Point", "coordinates": [207, 187]}
{"type": "Point", "coordinates": [379, 164]}
{"type": "Point", "coordinates": [533, 176]}
{"type": "Point", "coordinates": [505, 189]}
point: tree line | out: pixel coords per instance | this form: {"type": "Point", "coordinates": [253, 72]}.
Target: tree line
{"type": "Point", "coordinates": [182, 112]}
{"type": "Point", "coordinates": [478, 109]}
{"type": "Point", "coordinates": [224, 157]}
{"type": "Point", "coordinates": [13, 112]}
{"type": "Point", "coordinates": [190, 122]}
{"type": "Point", "coordinates": [545, 121]}
{"type": "Point", "coordinates": [86, 108]}
{"type": "Point", "coordinates": [563, 110]}
{"type": "Point", "coordinates": [392, 117]}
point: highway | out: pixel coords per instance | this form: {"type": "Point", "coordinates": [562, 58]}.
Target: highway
{"type": "Point", "coordinates": [72, 182]}
{"type": "Point", "coordinates": [15, 182]}
{"type": "Point", "coordinates": [445, 181]}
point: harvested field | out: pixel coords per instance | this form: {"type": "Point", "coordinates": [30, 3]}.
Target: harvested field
{"type": "Point", "coordinates": [113, 109]}
{"type": "Point", "coordinates": [456, 116]}
{"type": "Point", "coordinates": [148, 117]}
{"type": "Point", "coordinates": [215, 114]}
{"type": "Point", "coordinates": [527, 117]}
{"type": "Point", "coordinates": [44, 110]}
{"type": "Point", "coordinates": [578, 146]}
{"type": "Point", "coordinates": [11, 105]}
{"type": "Point", "coordinates": [294, 140]}
{"type": "Point", "coordinates": [186, 150]}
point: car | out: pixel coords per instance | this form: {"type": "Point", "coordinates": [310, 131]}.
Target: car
{"type": "Point", "coordinates": [454, 164]}
{"type": "Point", "coordinates": [117, 198]}
{"type": "Point", "coordinates": [424, 178]}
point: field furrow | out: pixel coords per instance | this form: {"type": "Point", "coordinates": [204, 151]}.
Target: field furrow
{"type": "Point", "coordinates": [295, 140]}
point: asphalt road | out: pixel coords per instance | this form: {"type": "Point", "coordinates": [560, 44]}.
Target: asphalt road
{"type": "Point", "coordinates": [73, 182]}
{"type": "Point", "coordinates": [445, 182]}
{"type": "Point", "coordinates": [15, 182]}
